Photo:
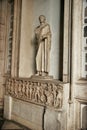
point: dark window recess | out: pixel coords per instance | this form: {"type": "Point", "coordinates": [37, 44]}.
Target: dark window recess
{"type": "Point", "coordinates": [86, 12]}
{"type": "Point", "coordinates": [85, 20]}
{"type": "Point", "coordinates": [85, 48]}
{"type": "Point", "coordinates": [85, 31]}
{"type": "Point", "coordinates": [85, 67]}
{"type": "Point", "coordinates": [86, 57]}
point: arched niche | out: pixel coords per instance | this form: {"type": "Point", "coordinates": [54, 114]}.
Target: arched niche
{"type": "Point", "coordinates": [31, 10]}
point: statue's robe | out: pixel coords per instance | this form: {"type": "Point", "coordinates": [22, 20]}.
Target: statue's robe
{"type": "Point", "coordinates": [43, 35]}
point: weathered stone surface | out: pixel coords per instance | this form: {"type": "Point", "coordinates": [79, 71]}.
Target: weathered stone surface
{"type": "Point", "coordinates": [7, 107]}
{"type": "Point", "coordinates": [28, 114]}
{"type": "Point", "coordinates": [51, 121]}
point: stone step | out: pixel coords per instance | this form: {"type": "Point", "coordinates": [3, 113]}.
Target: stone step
{"type": "Point", "coordinates": [11, 125]}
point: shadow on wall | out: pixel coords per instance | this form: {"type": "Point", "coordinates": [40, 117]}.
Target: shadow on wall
{"type": "Point", "coordinates": [61, 40]}
{"type": "Point", "coordinates": [34, 46]}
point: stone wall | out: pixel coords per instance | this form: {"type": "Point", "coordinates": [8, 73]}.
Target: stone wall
{"type": "Point", "coordinates": [37, 103]}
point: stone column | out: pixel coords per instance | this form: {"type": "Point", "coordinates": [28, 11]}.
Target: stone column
{"type": "Point", "coordinates": [16, 38]}
{"type": "Point", "coordinates": [66, 47]}
{"type": "Point", "coordinates": [3, 9]}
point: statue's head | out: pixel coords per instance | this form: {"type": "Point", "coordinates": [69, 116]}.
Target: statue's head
{"type": "Point", "coordinates": [42, 19]}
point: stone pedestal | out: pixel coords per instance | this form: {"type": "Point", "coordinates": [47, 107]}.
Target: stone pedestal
{"type": "Point", "coordinates": [25, 113]}
{"type": "Point", "coordinates": [36, 103]}
{"type": "Point", "coordinates": [38, 77]}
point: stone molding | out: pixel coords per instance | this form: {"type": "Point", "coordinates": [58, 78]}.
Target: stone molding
{"type": "Point", "coordinates": [16, 38]}
{"type": "Point", "coordinates": [42, 92]}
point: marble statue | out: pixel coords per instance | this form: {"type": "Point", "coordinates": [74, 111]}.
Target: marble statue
{"type": "Point", "coordinates": [43, 37]}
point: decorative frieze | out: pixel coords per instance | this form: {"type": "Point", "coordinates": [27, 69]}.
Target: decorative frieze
{"type": "Point", "coordinates": [39, 92]}
{"type": "Point", "coordinates": [10, 34]}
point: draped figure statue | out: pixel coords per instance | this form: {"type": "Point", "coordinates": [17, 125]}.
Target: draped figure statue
{"type": "Point", "coordinates": [43, 37]}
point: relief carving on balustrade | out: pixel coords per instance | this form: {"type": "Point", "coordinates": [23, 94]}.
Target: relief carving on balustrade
{"type": "Point", "coordinates": [39, 92]}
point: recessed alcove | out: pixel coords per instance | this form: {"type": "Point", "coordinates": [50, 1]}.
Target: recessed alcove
{"type": "Point", "coordinates": [31, 10]}
{"type": "Point", "coordinates": [84, 116]}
